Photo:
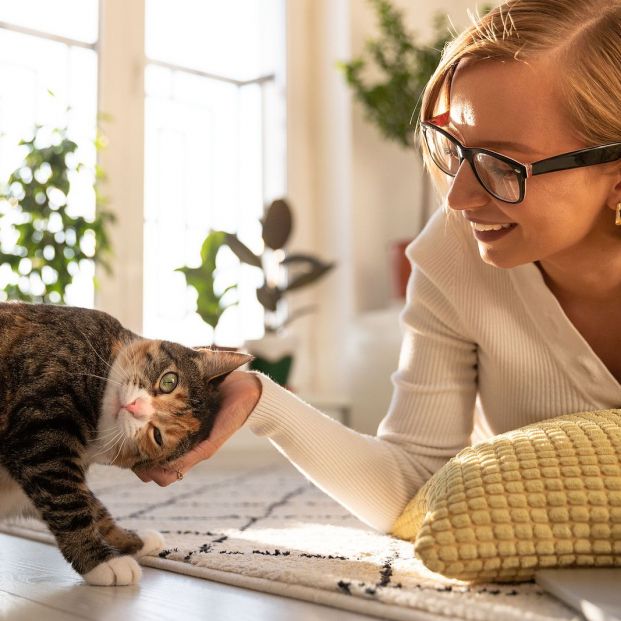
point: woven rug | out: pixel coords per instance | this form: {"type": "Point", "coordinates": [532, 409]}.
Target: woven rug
{"type": "Point", "coordinates": [268, 529]}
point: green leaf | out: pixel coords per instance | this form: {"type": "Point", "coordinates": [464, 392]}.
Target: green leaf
{"type": "Point", "coordinates": [209, 305]}
{"type": "Point", "coordinates": [404, 67]}
{"type": "Point", "coordinates": [30, 199]}
{"type": "Point", "coordinates": [212, 244]}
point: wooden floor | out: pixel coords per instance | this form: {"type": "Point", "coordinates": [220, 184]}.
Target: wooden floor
{"type": "Point", "coordinates": [37, 584]}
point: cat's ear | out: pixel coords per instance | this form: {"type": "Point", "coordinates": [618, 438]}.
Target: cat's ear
{"type": "Point", "coordinates": [219, 363]}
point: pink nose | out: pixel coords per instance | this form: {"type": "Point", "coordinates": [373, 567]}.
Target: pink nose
{"type": "Point", "coordinates": [133, 407]}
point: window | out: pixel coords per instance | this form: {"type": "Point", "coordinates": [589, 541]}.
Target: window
{"type": "Point", "coordinates": [214, 124]}
{"type": "Point", "coordinates": [214, 154]}
{"type": "Point", "coordinates": [48, 64]}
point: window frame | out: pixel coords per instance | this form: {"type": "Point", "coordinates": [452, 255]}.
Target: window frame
{"type": "Point", "coordinates": [121, 66]}
{"type": "Point", "coordinates": [122, 62]}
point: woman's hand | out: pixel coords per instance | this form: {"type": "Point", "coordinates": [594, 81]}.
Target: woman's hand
{"type": "Point", "coordinates": [240, 393]}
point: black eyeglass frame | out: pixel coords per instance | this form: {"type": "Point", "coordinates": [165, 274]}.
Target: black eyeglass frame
{"type": "Point", "coordinates": [565, 161]}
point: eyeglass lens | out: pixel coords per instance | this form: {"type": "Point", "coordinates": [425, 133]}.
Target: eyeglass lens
{"type": "Point", "coordinates": [496, 176]}
{"type": "Point", "coordinates": [445, 154]}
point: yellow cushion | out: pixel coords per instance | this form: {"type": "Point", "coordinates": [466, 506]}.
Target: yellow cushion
{"type": "Point", "coordinates": [545, 495]}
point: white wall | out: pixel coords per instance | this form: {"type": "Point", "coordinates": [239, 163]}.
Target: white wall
{"type": "Point", "coordinates": [386, 177]}
{"type": "Point", "coordinates": [354, 193]}
{"type": "Point", "coordinates": [319, 184]}
{"type": "Point", "coordinates": [121, 99]}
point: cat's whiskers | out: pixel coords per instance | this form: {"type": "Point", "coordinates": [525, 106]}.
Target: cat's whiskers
{"type": "Point", "coordinates": [103, 438]}
{"type": "Point", "coordinates": [109, 449]}
{"type": "Point", "coordinates": [120, 449]}
{"type": "Point", "coordinates": [109, 444]}
{"type": "Point", "coordinates": [107, 379]}
{"type": "Point", "coordinates": [104, 435]}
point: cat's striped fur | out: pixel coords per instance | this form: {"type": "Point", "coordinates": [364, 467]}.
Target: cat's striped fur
{"type": "Point", "coordinates": [77, 388]}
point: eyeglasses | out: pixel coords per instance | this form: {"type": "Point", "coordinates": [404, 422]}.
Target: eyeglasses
{"type": "Point", "coordinates": [503, 177]}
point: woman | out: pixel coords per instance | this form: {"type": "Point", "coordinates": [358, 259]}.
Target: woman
{"type": "Point", "coordinates": [515, 294]}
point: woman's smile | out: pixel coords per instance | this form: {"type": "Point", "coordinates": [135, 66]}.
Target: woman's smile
{"type": "Point", "coordinates": [491, 232]}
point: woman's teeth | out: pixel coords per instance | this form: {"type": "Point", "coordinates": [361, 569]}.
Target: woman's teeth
{"type": "Point", "coordinates": [477, 226]}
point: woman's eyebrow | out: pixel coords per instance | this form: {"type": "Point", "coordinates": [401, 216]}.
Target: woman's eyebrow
{"type": "Point", "coordinates": [496, 144]}
{"type": "Point", "coordinates": [508, 144]}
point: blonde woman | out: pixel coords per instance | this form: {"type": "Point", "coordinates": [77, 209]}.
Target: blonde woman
{"type": "Point", "coordinates": [515, 294]}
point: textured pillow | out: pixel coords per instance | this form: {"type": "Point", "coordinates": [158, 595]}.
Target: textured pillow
{"type": "Point", "coordinates": [545, 495]}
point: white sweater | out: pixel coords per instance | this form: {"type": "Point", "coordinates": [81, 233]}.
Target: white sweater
{"type": "Point", "coordinates": [470, 330]}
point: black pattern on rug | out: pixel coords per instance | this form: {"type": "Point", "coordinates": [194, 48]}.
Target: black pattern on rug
{"type": "Point", "coordinates": [271, 523]}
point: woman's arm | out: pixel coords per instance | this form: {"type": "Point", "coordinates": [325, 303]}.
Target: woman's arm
{"type": "Point", "coordinates": [430, 417]}
{"type": "Point", "coordinates": [429, 420]}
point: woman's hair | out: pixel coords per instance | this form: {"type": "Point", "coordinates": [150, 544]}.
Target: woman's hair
{"type": "Point", "coordinates": [584, 34]}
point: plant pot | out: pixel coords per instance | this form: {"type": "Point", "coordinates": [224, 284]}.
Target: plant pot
{"type": "Point", "coordinates": [274, 355]}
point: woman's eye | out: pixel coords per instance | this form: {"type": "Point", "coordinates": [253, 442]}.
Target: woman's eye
{"type": "Point", "coordinates": [169, 382]}
{"type": "Point", "coordinates": [157, 436]}
{"type": "Point", "coordinates": [503, 173]}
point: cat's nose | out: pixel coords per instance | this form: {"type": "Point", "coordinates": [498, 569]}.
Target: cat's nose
{"type": "Point", "coordinates": [134, 408]}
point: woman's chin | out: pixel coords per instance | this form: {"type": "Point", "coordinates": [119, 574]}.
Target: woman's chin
{"type": "Point", "coordinates": [499, 259]}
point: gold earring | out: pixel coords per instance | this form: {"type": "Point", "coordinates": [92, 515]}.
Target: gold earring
{"type": "Point", "coordinates": [618, 215]}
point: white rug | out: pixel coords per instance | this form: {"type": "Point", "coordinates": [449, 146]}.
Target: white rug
{"type": "Point", "coordinates": [269, 529]}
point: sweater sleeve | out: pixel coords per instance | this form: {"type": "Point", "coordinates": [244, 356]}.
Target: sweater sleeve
{"type": "Point", "coordinates": [430, 417]}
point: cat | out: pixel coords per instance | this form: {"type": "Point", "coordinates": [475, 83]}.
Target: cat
{"type": "Point", "coordinates": [78, 388]}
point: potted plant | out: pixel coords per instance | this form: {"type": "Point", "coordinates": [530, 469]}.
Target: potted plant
{"type": "Point", "coordinates": [211, 301]}
{"type": "Point", "coordinates": [392, 101]}
{"type": "Point", "coordinates": [47, 241]}
{"type": "Point", "coordinates": [282, 274]}
{"type": "Point", "coordinates": [404, 68]}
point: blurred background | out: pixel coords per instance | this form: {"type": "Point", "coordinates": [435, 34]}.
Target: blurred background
{"type": "Point", "coordinates": [130, 130]}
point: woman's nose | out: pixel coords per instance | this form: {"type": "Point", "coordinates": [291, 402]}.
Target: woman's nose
{"type": "Point", "coordinates": [466, 192]}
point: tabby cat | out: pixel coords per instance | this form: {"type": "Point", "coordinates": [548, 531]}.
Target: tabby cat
{"type": "Point", "coordinates": [77, 388]}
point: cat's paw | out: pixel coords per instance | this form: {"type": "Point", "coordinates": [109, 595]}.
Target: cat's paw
{"type": "Point", "coordinates": [117, 571]}
{"type": "Point", "coordinates": [152, 542]}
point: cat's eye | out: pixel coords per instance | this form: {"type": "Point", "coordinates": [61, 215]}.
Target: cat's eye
{"type": "Point", "coordinates": [157, 436]}
{"type": "Point", "coordinates": [169, 382]}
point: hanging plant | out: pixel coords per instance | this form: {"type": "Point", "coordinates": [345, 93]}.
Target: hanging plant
{"type": "Point", "coordinates": [43, 244]}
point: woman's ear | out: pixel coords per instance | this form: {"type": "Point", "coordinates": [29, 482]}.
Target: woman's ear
{"type": "Point", "coordinates": [614, 198]}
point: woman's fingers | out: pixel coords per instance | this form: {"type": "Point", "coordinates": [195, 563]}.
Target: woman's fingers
{"type": "Point", "coordinates": [202, 451]}
{"type": "Point", "coordinates": [161, 476]}
{"type": "Point", "coordinates": [143, 475]}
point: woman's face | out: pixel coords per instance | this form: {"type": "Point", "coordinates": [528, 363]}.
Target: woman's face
{"type": "Point", "coordinates": [515, 109]}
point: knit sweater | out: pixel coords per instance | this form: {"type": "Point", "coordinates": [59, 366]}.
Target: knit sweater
{"type": "Point", "coordinates": [470, 330]}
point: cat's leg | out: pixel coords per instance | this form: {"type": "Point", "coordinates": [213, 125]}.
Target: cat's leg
{"type": "Point", "coordinates": [126, 541]}
{"type": "Point", "coordinates": [13, 501]}
{"type": "Point", "coordinates": [53, 479]}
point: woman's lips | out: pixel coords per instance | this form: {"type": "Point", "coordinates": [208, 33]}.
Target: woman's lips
{"type": "Point", "coordinates": [493, 235]}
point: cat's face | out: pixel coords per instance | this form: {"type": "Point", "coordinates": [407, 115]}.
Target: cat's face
{"type": "Point", "coordinates": [160, 400]}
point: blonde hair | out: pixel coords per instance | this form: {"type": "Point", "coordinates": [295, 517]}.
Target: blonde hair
{"type": "Point", "coordinates": [586, 36]}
